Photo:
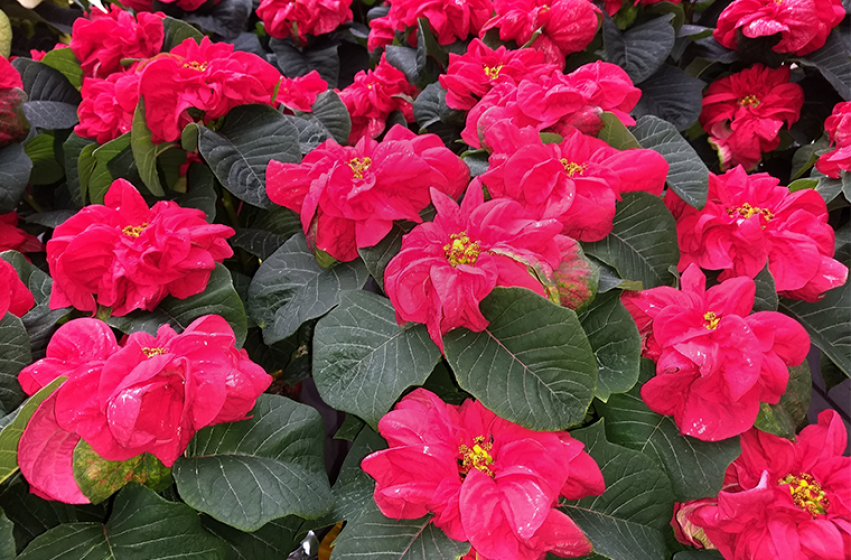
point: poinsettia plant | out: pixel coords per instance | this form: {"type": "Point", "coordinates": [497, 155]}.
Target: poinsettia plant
{"type": "Point", "coordinates": [482, 279]}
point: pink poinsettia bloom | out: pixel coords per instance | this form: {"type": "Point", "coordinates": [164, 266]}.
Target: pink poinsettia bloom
{"type": "Point", "coordinates": [448, 266]}
{"type": "Point", "coordinates": [104, 38]}
{"type": "Point", "coordinates": [557, 102]}
{"type": "Point", "coordinates": [743, 113]}
{"type": "Point", "coordinates": [613, 6]}
{"type": "Point", "coordinates": [577, 181]}
{"type": "Point", "coordinates": [149, 396]}
{"type": "Point", "coordinates": [449, 21]}
{"type": "Point", "coordinates": [300, 18]}
{"type": "Point", "coordinates": [838, 128]}
{"type": "Point", "coordinates": [471, 75]}
{"type": "Point", "coordinates": [15, 297]}
{"type": "Point", "coordinates": [106, 111]}
{"type": "Point", "coordinates": [715, 361]}
{"type": "Point", "coordinates": [127, 256]}
{"type": "Point", "coordinates": [210, 77]}
{"type": "Point", "coordinates": [803, 24]}
{"type": "Point", "coordinates": [784, 499]}
{"type": "Point", "coordinates": [9, 77]}
{"type": "Point", "coordinates": [300, 93]}
{"type": "Point", "coordinates": [750, 219]}
{"type": "Point", "coordinates": [12, 238]}
{"type": "Point", "coordinates": [373, 96]}
{"type": "Point", "coordinates": [566, 26]}
{"type": "Point", "coordinates": [348, 197]}
{"type": "Point", "coordinates": [488, 481]}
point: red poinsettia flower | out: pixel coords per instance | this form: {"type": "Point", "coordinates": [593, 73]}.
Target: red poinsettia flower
{"type": "Point", "coordinates": [576, 181]}
{"type": "Point", "coordinates": [446, 267]}
{"type": "Point", "coordinates": [151, 395]}
{"type": "Point", "coordinates": [12, 238]}
{"type": "Point", "coordinates": [748, 220]}
{"type": "Point", "coordinates": [470, 76]}
{"type": "Point", "coordinates": [300, 18]}
{"type": "Point", "coordinates": [373, 96]}
{"type": "Point", "coordinates": [127, 256]}
{"type": "Point", "coordinates": [348, 197]}
{"type": "Point", "coordinates": [803, 24]}
{"type": "Point", "coordinates": [106, 111]}
{"type": "Point", "coordinates": [102, 40]}
{"type": "Point", "coordinates": [449, 21]}
{"type": "Point", "coordinates": [784, 499]}
{"type": "Point", "coordinates": [15, 297]}
{"type": "Point", "coordinates": [715, 362]}
{"type": "Point", "coordinates": [743, 113]}
{"type": "Point", "coordinates": [488, 481]}
{"type": "Point", "coordinates": [300, 93]}
{"type": "Point", "coordinates": [838, 128]}
{"type": "Point", "coordinates": [566, 26]}
{"type": "Point", "coordinates": [557, 102]}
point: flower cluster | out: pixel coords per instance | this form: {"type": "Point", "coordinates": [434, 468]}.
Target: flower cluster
{"type": "Point", "coordinates": [803, 25]}
{"type": "Point", "coordinates": [127, 256]}
{"type": "Point", "coordinates": [300, 18]}
{"type": "Point", "coordinates": [486, 480]}
{"type": "Point", "coordinates": [749, 220]}
{"type": "Point", "coordinates": [348, 197]}
{"type": "Point", "coordinates": [556, 102]}
{"type": "Point", "coordinates": [781, 499]}
{"type": "Point", "coordinates": [743, 113]}
{"type": "Point", "coordinates": [449, 21]}
{"type": "Point", "coordinates": [838, 128]}
{"type": "Point", "coordinates": [300, 93]}
{"type": "Point", "coordinates": [15, 297]}
{"type": "Point", "coordinates": [373, 96]}
{"type": "Point", "coordinates": [565, 26]}
{"type": "Point", "coordinates": [148, 395]}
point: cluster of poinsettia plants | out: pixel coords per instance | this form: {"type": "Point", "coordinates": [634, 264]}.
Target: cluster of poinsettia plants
{"type": "Point", "coordinates": [480, 279]}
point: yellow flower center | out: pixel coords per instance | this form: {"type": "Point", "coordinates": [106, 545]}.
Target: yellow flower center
{"type": "Point", "coordinates": [195, 65]}
{"type": "Point", "coordinates": [359, 165]}
{"type": "Point", "coordinates": [711, 320]}
{"type": "Point", "coordinates": [460, 250]}
{"type": "Point", "coordinates": [493, 72]}
{"type": "Point", "coordinates": [749, 100]}
{"type": "Point", "coordinates": [476, 457]}
{"type": "Point", "coordinates": [747, 211]}
{"type": "Point", "coordinates": [572, 168]}
{"type": "Point", "coordinates": [807, 493]}
{"type": "Point", "coordinates": [134, 231]}
{"type": "Point", "coordinates": [149, 352]}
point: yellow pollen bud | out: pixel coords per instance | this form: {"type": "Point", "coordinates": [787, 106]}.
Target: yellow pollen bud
{"type": "Point", "coordinates": [711, 320]}
{"type": "Point", "coordinates": [747, 211]}
{"type": "Point", "coordinates": [572, 168]}
{"type": "Point", "coordinates": [749, 100]}
{"type": "Point", "coordinates": [476, 457]}
{"type": "Point", "coordinates": [148, 352]}
{"type": "Point", "coordinates": [460, 250]}
{"type": "Point", "coordinates": [199, 66]}
{"type": "Point", "coordinates": [806, 493]}
{"type": "Point", "coordinates": [134, 231]}
{"type": "Point", "coordinates": [359, 165]}
{"type": "Point", "coordinates": [492, 72]}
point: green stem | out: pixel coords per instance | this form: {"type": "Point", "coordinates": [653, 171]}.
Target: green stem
{"type": "Point", "coordinates": [33, 204]}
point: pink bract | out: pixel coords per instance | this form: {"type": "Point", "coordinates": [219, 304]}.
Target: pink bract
{"type": "Point", "coordinates": [348, 197]}
{"type": "Point", "coordinates": [15, 297]}
{"type": "Point", "coordinates": [784, 499]}
{"type": "Point", "coordinates": [715, 361]}
{"type": "Point", "coordinates": [488, 481]}
{"type": "Point", "coordinates": [300, 18]}
{"type": "Point", "coordinates": [127, 256]}
{"type": "Point", "coordinates": [838, 128]}
{"type": "Point", "coordinates": [300, 93]}
{"type": "Point", "coordinates": [749, 220]}
{"type": "Point", "coordinates": [12, 238]}
{"type": "Point", "coordinates": [106, 111]}
{"type": "Point", "coordinates": [449, 21]}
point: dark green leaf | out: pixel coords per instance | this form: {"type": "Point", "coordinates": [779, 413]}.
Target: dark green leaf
{"type": "Point", "coordinates": [672, 95]}
{"type": "Point", "coordinates": [643, 242]}
{"type": "Point", "coordinates": [698, 555]}
{"type": "Point", "coordinates": [311, 132]}
{"type": "Point", "coordinates": [248, 473]}
{"type": "Point", "coordinates": [427, 105]}
{"type": "Point", "coordinates": [332, 113]}
{"type": "Point", "coordinates": [145, 151]}
{"type": "Point", "coordinates": [226, 18]}
{"type": "Point", "coordinates": [50, 219]}
{"type": "Point", "coordinates": [51, 115]}
{"type": "Point", "coordinates": [687, 174]}
{"type": "Point", "coordinates": [477, 161]}
{"type": "Point", "coordinates": [99, 479]}
{"type": "Point", "coordinates": [429, 47]}
{"type": "Point", "coordinates": [828, 323]}
{"type": "Point", "coordinates": [7, 538]}
{"type": "Point", "coordinates": [830, 373]}
{"type": "Point", "coordinates": [258, 242]}
{"type": "Point", "coordinates": [177, 31]}
{"type": "Point", "coordinates": [783, 418]}
{"type": "Point", "coordinates": [350, 428]}
{"type": "Point", "coordinates": [377, 258]}
{"type": "Point", "coordinates": [295, 62]}
{"type": "Point", "coordinates": [615, 134]}
{"type": "Point", "coordinates": [627, 522]}
{"type": "Point", "coordinates": [73, 148]}
{"type": "Point", "coordinates": [101, 178]}
{"type": "Point", "coordinates": [766, 295]}
{"type": "Point", "coordinates": [616, 343]}
{"type": "Point", "coordinates": [43, 83]}
{"type": "Point", "coordinates": [279, 220]}
{"type": "Point", "coordinates": [189, 137]}
{"type": "Point", "coordinates": [65, 61]}
{"type": "Point", "coordinates": [41, 151]}
{"type": "Point", "coordinates": [828, 188]}
{"type": "Point", "coordinates": [273, 541]}
{"type": "Point", "coordinates": [532, 365]}
{"type": "Point", "coordinates": [290, 288]}
{"type": "Point", "coordinates": [833, 60]}
{"type": "Point", "coordinates": [15, 355]}
{"type": "Point", "coordinates": [403, 59]}
{"type": "Point", "coordinates": [363, 360]}
{"type": "Point", "coordinates": [238, 154]}
{"type": "Point", "coordinates": [201, 193]}
{"type": "Point", "coordinates": [15, 168]}
{"type": "Point", "coordinates": [642, 49]}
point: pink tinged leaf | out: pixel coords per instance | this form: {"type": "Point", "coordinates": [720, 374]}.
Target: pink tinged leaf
{"type": "Point", "coordinates": [14, 126]}
{"type": "Point", "coordinates": [576, 277]}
